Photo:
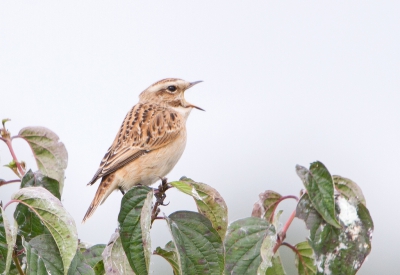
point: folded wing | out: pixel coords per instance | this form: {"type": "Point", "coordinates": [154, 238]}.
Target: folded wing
{"type": "Point", "coordinates": [145, 128]}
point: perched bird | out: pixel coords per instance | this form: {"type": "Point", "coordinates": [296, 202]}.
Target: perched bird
{"type": "Point", "coordinates": [150, 142]}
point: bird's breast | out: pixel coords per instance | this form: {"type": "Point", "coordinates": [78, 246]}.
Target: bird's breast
{"type": "Point", "coordinates": [149, 168]}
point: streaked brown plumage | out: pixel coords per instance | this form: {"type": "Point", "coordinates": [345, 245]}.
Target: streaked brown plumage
{"type": "Point", "coordinates": [149, 143]}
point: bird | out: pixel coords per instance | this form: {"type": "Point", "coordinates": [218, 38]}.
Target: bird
{"type": "Point", "coordinates": [149, 143]}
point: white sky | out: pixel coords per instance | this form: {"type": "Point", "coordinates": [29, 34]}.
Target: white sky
{"type": "Point", "coordinates": [285, 83]}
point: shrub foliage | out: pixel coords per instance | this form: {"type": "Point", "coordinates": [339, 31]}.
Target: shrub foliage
{"type": "Point", "coordinates": [45, 240]}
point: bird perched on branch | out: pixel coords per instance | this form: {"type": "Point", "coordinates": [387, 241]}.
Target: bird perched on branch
{"type": "Point", "coordinates": [149, 143]}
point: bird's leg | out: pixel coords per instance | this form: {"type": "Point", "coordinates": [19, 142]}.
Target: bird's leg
{"type": "Point", "coordinates": [164, 184]}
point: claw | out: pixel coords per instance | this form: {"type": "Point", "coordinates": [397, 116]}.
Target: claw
{"type": "Point", "coordinates": [164, 180]}
{"type": "Point", "coordinates": [163, 204]}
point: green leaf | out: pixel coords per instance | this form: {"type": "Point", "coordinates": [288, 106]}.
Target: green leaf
{"type": "Point", "coordinates": [338, 251]}
{"type": "Point", "coordinates": [13, 166]}
{"type": "Point", "coordinates": [92, 255]}
{"type": "Point", "coordinates": [4, 133]}
{"type": "Point", "coordinates": [57, 220]}
{"type": "Point", "coordinates": [99, 268]}
{"type": "Point", "coordinates": [305, 211]}
{"type": "Point", "coordinates": [19, 248]}
{"type": "Point", "coordinates": [29, 224]}
{"type": "Point", "coordinates": [209, 202]}
{"type": "Point", "coordinates": [266, 251]}
{"type": "Point", "coordinates": [319, 184]}
{"type": "Point", "coordinates": [82, 246]}
{"type": "Point", "coordinates": [4, 120]}
{"type": "Point", "coordinates": [199, 246]}
{"type": "Point", "coordinates": [349, 189]}
{"type": "Point", "coordinates": [13, 270]}
{"type": "Point", "coordinates": [243, 244]}
{"type": "Point", "coordinates": [135, 220]}
{"type": "Point", "coordinates": [169, 253]}
{"type": "Point", "coordinates": [114, 258]}
{"type": "Point", "coordinates": [43, 256]}
{"type": "Point", "coordinates": [50, 154]}
{"type": "Point", "coordinates": [277, 267]}
{"type": "Point", "coordinates": [265, 206]}
{"type": "Point", "coordinates": [305, 262]}
{"type": "Point", "coordinates": [7, 241]}
{"type": "Point", "coordinates": [31, 179]}
{"type": "Point", "coordinates": [79, 266]}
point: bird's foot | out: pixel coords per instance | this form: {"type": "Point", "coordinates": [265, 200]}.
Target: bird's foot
{"type": "Point", "coordinates": [122, 191]}
{"type": "Point", "coordinates": [163, 187]}
{"type": "Point", "coordinates": [164, 184]}
{"type": "Point", "coordinates": [160, 195]}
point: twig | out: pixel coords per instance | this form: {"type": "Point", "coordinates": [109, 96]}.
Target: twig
{"type": "Point", "coordinates": [10, 181]}
{"type": "Point", "coordinates": [24, 203]}
{"type": "Point", "coordinates": [282, 234]}
{"type": "Point", "coordinates": [9, 145]}
{"type": "Point", "coordinates": [17, 136]}
{"type": "Point", "coordinates": [22, 251]}
{"type": "Point", "coordinates": [279, 201]}
{"type": "Point", "coordinates": [160, 197]}
{"type": "Point", "coordinates": [17, 263]}
{"type": "Point", "coordinates": [155, 212]}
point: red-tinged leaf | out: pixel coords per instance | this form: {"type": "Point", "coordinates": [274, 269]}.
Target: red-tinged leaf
{"type": "Point", "coordinates": [209, 202]}
{"type": "Point", "coordinates": [349, 189]}
{"type": "Point", "coordinates": [50, 154]}
{"type": "Point", "coordinates": [265, 206]}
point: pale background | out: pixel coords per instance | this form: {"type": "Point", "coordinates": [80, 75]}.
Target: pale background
{"type": "Point", "coordinates": [285, 83]}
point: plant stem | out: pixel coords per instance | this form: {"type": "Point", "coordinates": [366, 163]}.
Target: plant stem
{"type": "Point", "coordinates": [291, 247]}
{"type": "Point", "coordinates": [282, 234]}
{"type": "Point", "coordinates": [295, 250]}
{"type": "Point", "coordinates": [160, 197]}
{"type": "Point", "coordinates": [278, 202]}
{"type": "Point", "coordinates": [7, 182]}
{"type": "Point", "coordinates": [17, 264]}
{"type": "Point", "coordinates": [9, 145]}
{"type": "Point", "coordinates": [11, 201]}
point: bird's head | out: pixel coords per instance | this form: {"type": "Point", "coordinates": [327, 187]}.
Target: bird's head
{"type": "Point", "coordinates": [169, 92]}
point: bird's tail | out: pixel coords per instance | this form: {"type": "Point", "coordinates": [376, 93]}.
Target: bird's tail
{"type": "Point", "coordinates": [105, 189]}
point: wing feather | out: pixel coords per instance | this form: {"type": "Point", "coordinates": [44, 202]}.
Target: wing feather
{"type": "Point", "coordinates": [145, 128]}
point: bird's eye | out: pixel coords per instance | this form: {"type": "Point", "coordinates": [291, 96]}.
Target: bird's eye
{"type": "Point", "coordinates": [171, 88]}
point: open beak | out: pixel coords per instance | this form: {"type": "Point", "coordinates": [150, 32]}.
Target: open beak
{"type": "Point", "coordinates": [194, 106]}
{"type": "Point", "coordinates": [190, 86]}
{"type": "Point", "coordinates": [193, 83]}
